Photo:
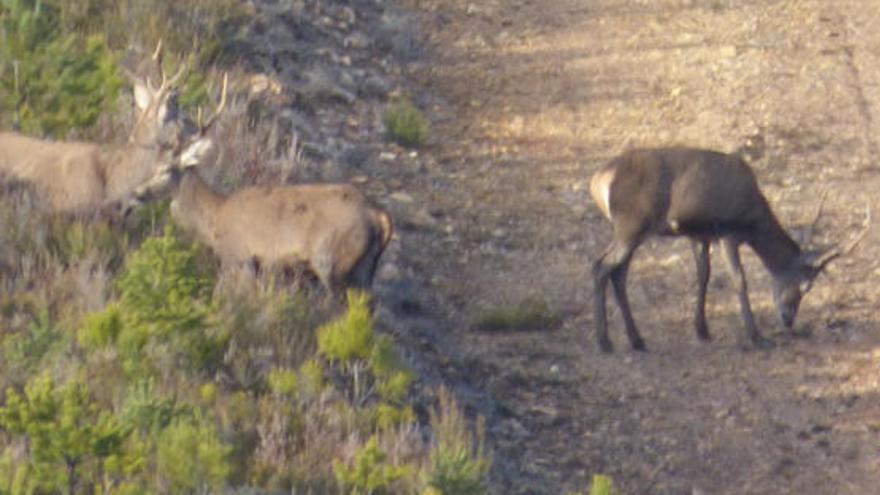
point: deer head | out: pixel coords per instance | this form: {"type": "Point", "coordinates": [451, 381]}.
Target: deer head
{"type": "Point", "coordinates": [188, 153]}
{"type": "Point", "coordinates": [159, 123]}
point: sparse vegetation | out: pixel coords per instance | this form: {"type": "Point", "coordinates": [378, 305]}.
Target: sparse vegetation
{"type": "Point", "coordinates": [405, 124]}
{"type": "Point", "coordinates": [529, 315]}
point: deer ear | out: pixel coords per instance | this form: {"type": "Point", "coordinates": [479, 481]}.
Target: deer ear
{"type": "Point", "coordinates": [195, 153]}
{"type": "Point", "coordinates": [142, 96]}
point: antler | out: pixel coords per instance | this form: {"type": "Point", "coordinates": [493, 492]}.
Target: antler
{"type": "Point", "coordinates": [166, 83]}
{"type": "Point", "coordinates": [837, 253]}
{"type": "Point", "coordinates": [811, 226]}
{"type": "Point", "coordinates": [204, 127]}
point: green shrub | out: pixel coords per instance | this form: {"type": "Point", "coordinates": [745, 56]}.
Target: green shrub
{"type": "Point", "coordinates": [458, 462]}
{"type": "Point", "coordinates": [51, 81]}
{"type": "Point", "coordinates": [283, 381]}
{"type": "Point", "coordinates": [405, 124]}
{"type": "Point", "coordinates": [392, 376]}
{"type": "Point", "coordinates": [602, 485]}
{"type": "Point", "coordinates": [69, 437]}
{"type": "Point", "coordinates": [25, 350]}
{"type": "Point", "coordinates": [370, 474]}
{"type": "Point", "coordinates": [144, 410]}
{"type": "Point", "coordinates": [192, 458]}
{"type": "Point", "coordinates": [370, 362]}
{"type": "Point", "coordinates": [165, 302]}
{"type": "Point", "coordinates": [350, 337]}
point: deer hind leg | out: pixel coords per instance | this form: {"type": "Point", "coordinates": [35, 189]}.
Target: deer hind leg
{"type": "Point", "coordinates": [614, 265]}
{"type": "Point", "coordinates": [731, 254]}
{"type": "Point", "coordinates": [364, 270]}
{"type": "Point", "coordinates": [701, 256]}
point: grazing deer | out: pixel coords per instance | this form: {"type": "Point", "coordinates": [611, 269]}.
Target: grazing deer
{"type": "Point", "coordinates": [328, 228]}
{"type": "Point", "coordinates": [82, 177]}
{"type": "Point", "coordinates": [706, 196]}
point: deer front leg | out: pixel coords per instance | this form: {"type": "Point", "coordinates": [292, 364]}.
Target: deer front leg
{"type": "Point", "coordinates": [701, 256]}
{"type": "Point", "coordinates": [731, 253]}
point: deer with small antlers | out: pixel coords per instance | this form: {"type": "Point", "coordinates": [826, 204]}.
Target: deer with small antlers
{"type": "Point", "coordinates": [330, 228]}
{"type": "Point", "coordinates": [84, 177]}
{"type": "Point", "coordinates": [706, 196]}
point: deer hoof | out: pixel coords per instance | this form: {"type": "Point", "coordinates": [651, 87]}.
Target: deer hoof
{"type": "Point", "coordinates": [703, 333]}
{"type": "Point", "coordinates": [760, 342]}
{"type": "Point", "coordinates": [639, 345]}
{"type": "Point", "coordinates": [606, 346]}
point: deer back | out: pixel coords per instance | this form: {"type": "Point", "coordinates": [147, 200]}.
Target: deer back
{"type": "Point", "coordinates": [679, 191]}
{"type": "Point", "coordinates": [325, 223]}
{"type": "Point", "coordinates": [302, 222]}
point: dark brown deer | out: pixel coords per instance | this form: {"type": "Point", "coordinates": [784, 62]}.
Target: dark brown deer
{"type": "Point", "coordinates": [706, 196]}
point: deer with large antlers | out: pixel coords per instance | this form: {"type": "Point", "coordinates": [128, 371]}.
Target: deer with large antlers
{"type": "Point", "coordinates": [330, 229]}
{"type": "Point", "coordinates": [706, 196]}
{"type": "Point", "coordinates": [84, 177]}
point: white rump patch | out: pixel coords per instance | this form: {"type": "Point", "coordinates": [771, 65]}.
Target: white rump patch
{"type": "Point", "coordinates": [600, 189]}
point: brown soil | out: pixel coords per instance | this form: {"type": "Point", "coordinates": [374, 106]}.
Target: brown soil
{"type": "Point", "coordinates": [528, 98]}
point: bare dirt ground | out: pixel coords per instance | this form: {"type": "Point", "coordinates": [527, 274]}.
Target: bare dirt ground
{"type": "Point", "coordinates": [528, 98]}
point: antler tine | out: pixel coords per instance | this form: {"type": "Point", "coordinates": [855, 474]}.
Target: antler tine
{"type": "Point", "coordinates": [811, 227]}
{"type": "Point", "coordinates": [166, 82]}
{"type": "Point", "coordinates": [157, 59]}
{"type": "Point", "coordinates": [203, 128]}
{"type": "Point", "coordinates": [171, 82]}
{"type": "Point", "coordinates": [852, 245]}
{"type": "Point", "coordinates": [157, 53]}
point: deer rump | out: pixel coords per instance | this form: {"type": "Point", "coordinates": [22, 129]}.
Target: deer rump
{"type": "Point", "coordinates": [327, 228]}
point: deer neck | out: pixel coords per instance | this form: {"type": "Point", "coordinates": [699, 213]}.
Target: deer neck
{"type": "Point", "coordinates": [196, 204]}
{"type": "Point", "coordinates": [127, 167]}
{"type": "Point", "coordinates": [776, 249]}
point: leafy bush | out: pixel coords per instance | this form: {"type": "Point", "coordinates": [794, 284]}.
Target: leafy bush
{"type": "Point", "coordinates": [69, 437]}
{"type": "Point", "coordinates": [458, 463]}
{"type": "Point", "coordinates": [205, 28]}
{"type": "Point", "coordinates": [165, 302]}
{"type": "Point", "coordinates": [370, 474]}
{"type": "Point", "coordinates": [192, 458]}
{"type": "Point", "coordinates": [369, 362]}
{"type": "Point", "coordinates": [405, 124]}
{"type": "Point", "coordinates": [27, 349]}
{"type": "Point", "coordinates": [50, 81]}
{"type": "Point", "coordinates": [349, 338]}
{"type": "Point", "coordinates": [602, 485]}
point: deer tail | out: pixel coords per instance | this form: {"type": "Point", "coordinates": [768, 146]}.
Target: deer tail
{"type": "Point", "coordinates": [386, 226]}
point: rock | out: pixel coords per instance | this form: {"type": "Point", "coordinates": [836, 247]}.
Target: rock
{"type": "Point", "coordinates": [374, 86]}
{"type": "Point", "coordinates": [356, 157]}
{"type": "Point", "coordinates": [322, 85]}
{"type": "Point", "coordinates": [401, 197]}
